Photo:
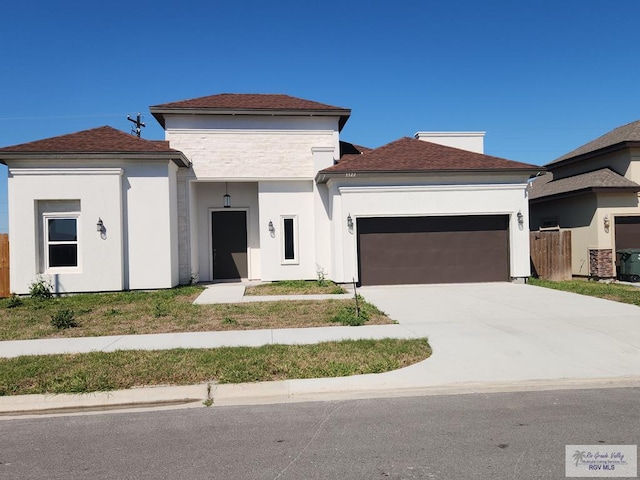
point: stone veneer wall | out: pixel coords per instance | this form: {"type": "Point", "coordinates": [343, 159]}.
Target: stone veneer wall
{"type": "Point", "coordinates": [601, 263]}
{"type": "Point", "coordinates": [184, 261]}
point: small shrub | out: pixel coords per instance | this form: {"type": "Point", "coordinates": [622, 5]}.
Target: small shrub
{"type": "Point", "coordinates": [348, 315]}
{"type": "Point", "coordinates": [160, 310]}
{"type": "Point", "coordinates": [229, 321]}
{"type": "Point", "coordinates": [321, 276]}
{"type": "Point", "coordinates": [13, 301]}
{"type": "Point", "coordinates": [41, 289]}
{"type": "Point", "coordinates": [63, 319]}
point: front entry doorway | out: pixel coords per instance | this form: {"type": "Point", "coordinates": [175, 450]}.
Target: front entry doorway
{"type": "Point", "coordinates": [229, 244]}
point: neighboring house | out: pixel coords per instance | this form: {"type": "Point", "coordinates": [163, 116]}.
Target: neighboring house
{"type": "Point", "coordinates": [261, 187]}
{"type": "Point", "coordinates": [593, 192]}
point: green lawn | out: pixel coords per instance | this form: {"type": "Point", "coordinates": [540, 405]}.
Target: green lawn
{"type": "Point", "coordinates": [173, 311]}
{"type": "Point", "coordinates": [610, 291]}
{"type": "Point", "coordinates": [295, 287]}
{"type": "Point", "coordinates": [163, 311]}
{"type": "Point", "coordinates": [100, 371]}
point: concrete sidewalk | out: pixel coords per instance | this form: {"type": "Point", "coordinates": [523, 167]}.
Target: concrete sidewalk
{"type": "Point", "coordinates": [233, 338]}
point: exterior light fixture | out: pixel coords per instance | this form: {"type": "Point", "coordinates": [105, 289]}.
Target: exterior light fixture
{"type": "Point", "coordinates": [100, 225]}
{"type": "Point", "coordinates": [520, 218]}
{"type": "Point", "coordinates": [226, 199]}
{"type": "Point", "coordinates": [271, 227]}
{"type": "Point", "coordinates": [349, 222]}
{"type": "Point", "coordinates": [607, 224]}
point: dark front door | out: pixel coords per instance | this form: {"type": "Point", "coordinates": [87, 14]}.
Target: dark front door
{"type": "Point", "coordinates": [408, 250]}
{"type": "Point", "coordinates": [229, 239]}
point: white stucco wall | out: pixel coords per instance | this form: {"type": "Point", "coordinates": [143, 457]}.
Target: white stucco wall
{"type": "Point", "coordinates": [98, 190]}
{"type": "Point", "coordinates": [150, 226]}
{"type": "Point", "coordinates": [136, 201]}
{"type": "Point", "coordinates": [425, 200]}
{"type": "Point", "coordinates": [287, 198]}
{"type": "Point", "coordinates": [173, 223]}
{"type": "Point", "coordinates": [471, 141]}
{"type": "Point", "coordinates": [323, 158]}
{"type": "Point", "coordinates": [250, 147]}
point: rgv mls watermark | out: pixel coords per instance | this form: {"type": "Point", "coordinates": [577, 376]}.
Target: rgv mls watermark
{"type": "Point", "coordinates": [600, 461]}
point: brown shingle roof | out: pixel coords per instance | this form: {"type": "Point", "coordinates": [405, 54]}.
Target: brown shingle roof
{"type": "Point", "coordinates": [249, 104]}
{"type": "Point", "coordinates": [96, 140]}
{"type": "Point", "coordinates": [626, 133]}
{"type": "Point", "coordinates": [249, 101]}
{"type": "Point", "coordinates": [605, 178]}
{"type": "Point", "coordinates": [412, 155]}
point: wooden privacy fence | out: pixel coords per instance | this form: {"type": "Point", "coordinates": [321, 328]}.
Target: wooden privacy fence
{"type": "Point", "coordinates": [551, 255]}
{"type": "Point", "coordinates": [5, 289]}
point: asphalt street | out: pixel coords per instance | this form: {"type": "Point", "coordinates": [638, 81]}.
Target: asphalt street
{"type": "Point", "coordinates": [473, 436]}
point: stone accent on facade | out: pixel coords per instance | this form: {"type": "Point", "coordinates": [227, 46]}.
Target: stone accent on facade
{"type": "Point", "coordinates": [601, 263]}
{"type": "Point", "coordinates": [250, 154]}
{"type": "Point", "coordinates": [184, 261]}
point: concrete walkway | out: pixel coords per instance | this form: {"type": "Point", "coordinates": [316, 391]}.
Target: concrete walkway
{"type": "Point", "coordinates": [234, 293]}
{"type": "Point", "coordinates": [485, 337]}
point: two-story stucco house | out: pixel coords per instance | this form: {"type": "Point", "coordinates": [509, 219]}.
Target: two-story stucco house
{"type": "Point", "coordinates": [256, 186]}
{"type": "Point", "coordinates": [593, 192]}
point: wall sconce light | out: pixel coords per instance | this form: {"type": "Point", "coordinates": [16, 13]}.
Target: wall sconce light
{"type": "Point", "coordinates": [226, 199]}
{"type": "Point", "coordinates": [607, 224]}
{"type": "Point", "coordinates": [349, 222]}
{"type": "Point", "coordinates": [271, 227]}
{"type": "Point", "coordinates": [520, 218]}
{"type": "Point", "coordinates": [100, 225]}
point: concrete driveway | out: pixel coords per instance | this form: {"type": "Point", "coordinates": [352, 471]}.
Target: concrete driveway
{"type": "Point", "coordinates": [503, 332]}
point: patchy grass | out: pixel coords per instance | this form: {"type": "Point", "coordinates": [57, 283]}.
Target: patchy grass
{"type": "Point", "coordinates": [295, 287]}
{"type": "Point", "coordinates": [609, 291]}
{"type": "Point", "coordinates": [163, 311]}
{"type": "Point", "coordinates": [100, 371]}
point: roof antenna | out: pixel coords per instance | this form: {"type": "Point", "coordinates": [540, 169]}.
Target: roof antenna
{"type": "Point", "coordinates": [137, 123]}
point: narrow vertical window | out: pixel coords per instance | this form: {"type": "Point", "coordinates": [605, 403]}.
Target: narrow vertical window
{"type": "Point", "coordinates": [289, 240]}
{"type": "Point", "coordinates": [61, 242]}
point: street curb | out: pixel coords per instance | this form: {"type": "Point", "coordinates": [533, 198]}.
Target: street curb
{"type": "Point", "coordinates": [262, 393]}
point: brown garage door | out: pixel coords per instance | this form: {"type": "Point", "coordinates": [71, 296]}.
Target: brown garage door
{"type": "Point", "coordinates": [409, 250]}
{"type": "Point", "coordinates": [627, 232]}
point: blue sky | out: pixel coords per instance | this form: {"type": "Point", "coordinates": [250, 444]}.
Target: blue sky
{"type": "Point", "coordinates": [541, 78]}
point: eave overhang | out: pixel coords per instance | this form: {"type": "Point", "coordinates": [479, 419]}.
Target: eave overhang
{"type": "Point", "coordinates": [176, 157]}
{"type": "Point", "coordinates": [160, 112]}
{"type": "Point", "coordinates": [324, 176]}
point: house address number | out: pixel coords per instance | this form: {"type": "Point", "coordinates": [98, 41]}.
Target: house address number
{"type": "Point", "coordinates": [350, 174]}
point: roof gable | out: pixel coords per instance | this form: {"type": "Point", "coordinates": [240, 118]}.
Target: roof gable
{"type": "Point", "coordinates": [411, 155]}
{"type": "Point", "coordinates": [96, 140]}
{"type": "Point", "coordinates": [626, 133]}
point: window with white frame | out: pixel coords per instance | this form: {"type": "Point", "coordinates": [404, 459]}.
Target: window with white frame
{"type": "Point", "coordinates": [289, 239]}
{"type": "Point", "coordinates": [61, 241]}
